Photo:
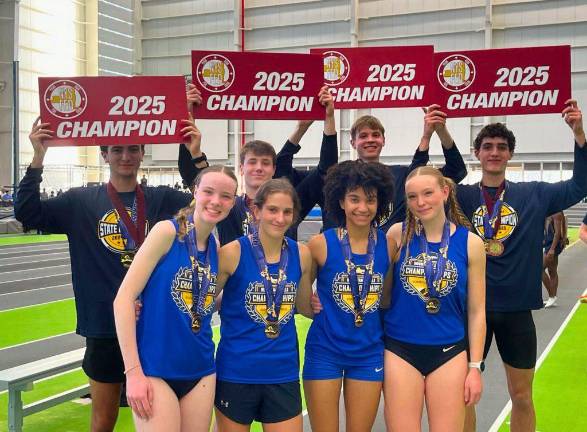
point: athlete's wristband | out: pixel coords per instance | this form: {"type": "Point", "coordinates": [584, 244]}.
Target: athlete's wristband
{"type": "Point", "coordinates": [202, 158]}
{"type": "Point", "coordinates": [477, 365]}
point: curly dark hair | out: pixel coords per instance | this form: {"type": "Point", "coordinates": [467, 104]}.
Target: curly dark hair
{"type": "Point", "coordinates": [372, 177]}
{"type": "Point", "coordinates": [496, 130]}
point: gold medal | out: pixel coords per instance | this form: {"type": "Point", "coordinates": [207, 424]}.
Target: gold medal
{"type": "Point", "coordinates": [126, 259]}
{"type": "Point", "coordinates": [196, 324]}
{"type": "Point", "coordinates": [432, 305]}
{"type": "Point", "coordinates": [494, 247]}
{"type": "Point", "coordinates": [359, 319]}
{"type": "Point", "coordinates": [272, 330]}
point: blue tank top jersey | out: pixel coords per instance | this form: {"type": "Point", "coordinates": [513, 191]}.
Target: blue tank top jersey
{"type": "Point", "coordinates": [245, 354]}
{"type": "Point", "coordinates": [407, 319]}
{"type": "Point", "coordinates": [168, 348]}
{"type": "Point", "coordinates": [333, 334]}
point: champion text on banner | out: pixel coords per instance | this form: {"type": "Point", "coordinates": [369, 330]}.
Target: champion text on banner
{"type": "Point", "coordinates": [378, 77]}
{"type": "Point", "coordinates": [87, 111]}
{"type": "Point", "coordinates": [533, 80]}
{"type": "Point", "coordinates": [254, 85]}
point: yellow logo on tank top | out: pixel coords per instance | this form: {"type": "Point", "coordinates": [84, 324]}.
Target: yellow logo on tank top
{"type": "Point", "coordinates": [181, 290]}
{"type": "Point", "coordinates": [343, 294]}
{"type": "Point", "coordinates": [414, 280]}
{"type": "Point", "coordinates": [509, 221]}
{"type": "Point", "coordinates": [109, 231]}
{"type": "Point", "coordinates": [256, 303]}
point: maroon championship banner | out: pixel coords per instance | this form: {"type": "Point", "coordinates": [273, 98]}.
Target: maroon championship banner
{"type": "Point", "coordinates": [378, 77]}
{"type": "Point", "coordinates": [534, 80]}
{"type": "Point", "coordinates": [253, 85]}
{"type": "Point", "coordinates": [88, 111]}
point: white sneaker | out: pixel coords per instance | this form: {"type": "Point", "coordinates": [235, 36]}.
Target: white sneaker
{"type": "Point", "coordinates": [550, 302]}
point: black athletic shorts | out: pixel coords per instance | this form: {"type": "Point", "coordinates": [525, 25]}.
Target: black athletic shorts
{"type": "Point", "coordinates": [266, 403]}
{"type": "Point", "coordinates": [425, 358]}
{"type": "Point", "coordinates": [181, 387]}
{"type": "Point", "coordinates": [103, 360]}
{"type": "Point", "coordinates": [515, 336]}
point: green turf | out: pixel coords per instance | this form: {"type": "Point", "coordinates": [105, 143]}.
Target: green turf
{"type": "Point", "coordinates": [560, 383]}
{"type": "Point", "coordinates": [573, 234]}
{"type": "Point", "coordinates": [73, 417]}
{"type": "Point", "coordinates": [9, 239]}
{"type": "Point", "coordinates": [36, 322]}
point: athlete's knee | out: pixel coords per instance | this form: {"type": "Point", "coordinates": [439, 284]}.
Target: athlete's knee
{"type": "Point", "coordinates": [470, 420]}
{"type": "Point", "coordinates": [521, 398]}
{"type": "Point", "coordinates": [104, 420]}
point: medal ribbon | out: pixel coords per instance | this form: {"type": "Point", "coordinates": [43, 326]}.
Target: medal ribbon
{"type": "Point", "coordinates": [134, 234]}
{"type": "Point", "coordinates": [434, 274]}
{"type": "Point", "coordinates": [242, 203]}
{"type": "Point", "coordinates": [359, 293]}
{"type": "Point", "coordinates": [492, 218]}
{"type": "Point", "coordinates": [199, 292]}
{"type": "Point", "coordinates": [273, 297]}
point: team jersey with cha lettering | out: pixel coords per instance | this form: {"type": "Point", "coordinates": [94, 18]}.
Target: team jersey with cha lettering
{"type": "Point", "coordinates": [168, 348]}
{"type": "Point", "coordinates": [407, 319]}
{"type": "Point", "coordinates": [245, 354]}
{"type": "Point", "coordinates": [90, 221]}
{"type": "Point", "coordinates": [514, 279]}
{"type": "Point", "coordinates": [333, 334]}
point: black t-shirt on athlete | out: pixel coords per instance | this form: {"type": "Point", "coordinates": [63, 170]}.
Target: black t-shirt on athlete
{"type": "Point", "coordinates": [87, 216]}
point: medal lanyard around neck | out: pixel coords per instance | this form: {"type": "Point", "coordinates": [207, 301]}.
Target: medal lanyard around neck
{"type": "Point", "coordinates": [273, 293]}
{"type": "Point", "coordinates": [434, 274]}
{"type": "Point", "coordinates": [246, 214]}
{"type": "Point", "coordinates": [492, 217]}
{"type": "Point", "coordinates": [359, 293]}
{"type": "Point", "coordinates": [133, 233]}
{"type": "Point", "coordinates": [199, 290]}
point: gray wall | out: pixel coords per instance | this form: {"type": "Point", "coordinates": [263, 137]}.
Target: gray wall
{"type": "Point", "coordinates": [171, 29]}
{"type": "Point", "coordinates": [7, 12]}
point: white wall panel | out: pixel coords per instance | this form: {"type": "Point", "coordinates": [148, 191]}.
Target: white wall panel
{"type": "Point", "coordinates": [188, 25]}
{"type": "Point", "coordinates": [403, 26]}
{"type": "Point", "coordinates": [401, 7]}
{"type": "Point", "coordinates": [276, 132]}
{"type": "Point", "coordinates": [169, 8]}
{"type": "Point", "coordinates": [115, 37]}
{"type": "Point", "coordinates": [214, 143]}
{"type": "Point", "coordinates": [298, 36]}
{"type": "Point", "coordinates": [172, 28]}
{"type": "Point", "coordinates": [403, 130]}
{"type": "Point", "coordinates": [108, 35]}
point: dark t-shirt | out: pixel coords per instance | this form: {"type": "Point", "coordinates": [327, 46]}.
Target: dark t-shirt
{"type": "Point", "coordinates": [87, 216]}
{"type": "Point", "coordinates": [514, 278]}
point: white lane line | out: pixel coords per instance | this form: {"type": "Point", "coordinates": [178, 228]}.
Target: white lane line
{"type": "Point", "coordinates": [35, 269]}
{"type": "Point", "coordinates": [36, 340]}
{"type": "Point", "coordinates": [508, 407]}
{"type": "Point", "coordinates": [39, 277]}
{"type": "Point", "coordinates": [32, 249]}
{"type": "Point", "coordinates": [26, 258]}
{"type": "Point", "coordinates": [38, 304]}
{"type": "Point", "coordinates": [34, 289]}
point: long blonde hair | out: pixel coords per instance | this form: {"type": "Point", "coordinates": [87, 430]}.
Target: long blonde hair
{"type": "Point", "coordinates": [454, 213]}
{"type": "Point", "coordinates": [182, 215]}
